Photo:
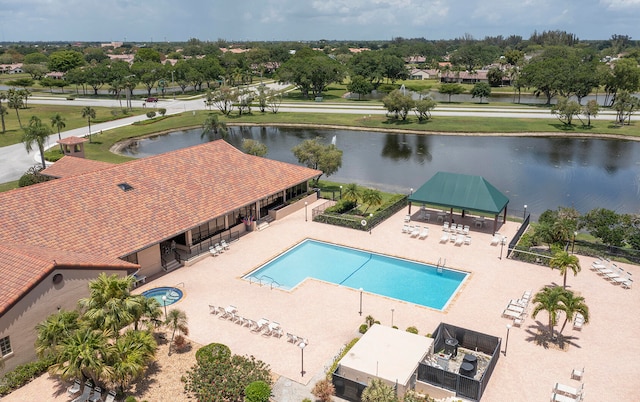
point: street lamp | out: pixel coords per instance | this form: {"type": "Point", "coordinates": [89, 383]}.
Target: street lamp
{"type": "Point", "coordinates": [506, 342]}
{"type": "Point", "coordinates": [302, 346]}
{"type": "Point", "coordinates": [392, 317]}
{"type": "Point", "coordinates": [524, 215]}
{"type": "Point", "coordinates": [360, 312]}
{"type": "Point", "coordinates": [340, 192]}
{"type": "Point", "coordinates": [501, 246]}
{"type": "Point", "coordinates": [370, 218]}
{"type": "Point", "coordinates": [411, 191]}
{"type": "Point", "coordinates": [573, 243]}
{"type": "Point", "coordinates": [164, 302]}
{"type": "Point", "coordinates": [305, 211]}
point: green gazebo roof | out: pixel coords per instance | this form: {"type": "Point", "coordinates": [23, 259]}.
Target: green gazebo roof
{"type": "Point", "coordinates": [461, 191]}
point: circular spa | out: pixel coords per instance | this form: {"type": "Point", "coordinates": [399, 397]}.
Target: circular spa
{"type": "Point", "coordinates": [165, 295]}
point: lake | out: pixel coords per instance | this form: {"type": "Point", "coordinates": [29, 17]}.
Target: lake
{"type": "Point", "coordinates": [542, 173]}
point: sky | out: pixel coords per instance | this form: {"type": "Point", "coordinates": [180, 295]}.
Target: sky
{"type": "Point", "coordinates": [144, 21]}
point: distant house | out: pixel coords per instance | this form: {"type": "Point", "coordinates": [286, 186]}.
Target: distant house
{"type": "Point", "coordinates": [14, 68]}
{"type": "Point", "coordinates": [464, 77]}
{"type": "Point", "coordinates": [56, 75]}
{"type": "Point", "coordinates": [123, 57]}
{"type": "Point", "coordinates": [415, 59]}
{"type": "Point", "coordinates": [422, 74]}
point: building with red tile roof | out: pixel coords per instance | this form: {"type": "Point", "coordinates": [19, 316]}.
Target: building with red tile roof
{"type": "Point", "coordinates": [145, 216]}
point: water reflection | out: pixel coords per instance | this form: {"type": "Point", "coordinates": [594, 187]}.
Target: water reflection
{"type": "Point", "coordinates": [543, 173]}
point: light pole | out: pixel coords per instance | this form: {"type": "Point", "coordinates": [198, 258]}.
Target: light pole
{"type": "Point", "coordinates": [411, 191]}
{"type": "Point", "coordinates": [360, 312]}
{"type": "Point", "coordinates": [164, 303]}
{"type": "Point", "coordinates": [302, 346]}
{"type": "Point", "coordinates": [305, 211]}
{"type": "Point", "coordinates": [340, 192]}
{"type": "Point", "coordinates": [506, 342]}
{"type": "Point", "coordinates": [573, 243]}
{"type": "Point", "coordinates": [370, 218]}
{"type": "Point", "coordinates": [501, 246]}
{"type": "Point", "coordinates": [524, 215]}
{"type": "Point", "coordinates": [392, 318]}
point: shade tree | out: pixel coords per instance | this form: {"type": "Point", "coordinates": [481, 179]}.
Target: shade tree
{"type": "Point", "coordinates": [316, 155]}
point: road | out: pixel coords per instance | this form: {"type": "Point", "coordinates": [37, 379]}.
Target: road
{"type": "Point", "coordinates": [14, 160]}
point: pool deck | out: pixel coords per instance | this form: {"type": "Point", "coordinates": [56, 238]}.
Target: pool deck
{"type": "Point", "coordinates": [328, 315]}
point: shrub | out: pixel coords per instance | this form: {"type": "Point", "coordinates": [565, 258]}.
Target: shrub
{"type": "Point", "coordinates": [23, 374]}
{"type": "Point", "coordinates": [363, 328]}
{"type": "Point", "coordinates": [342, 206]}
{"type": "Point", "coordinates": [162, 111]}
{"type": "Point", "coordinates": [53, 154]}
{"type": "Point", "coordinates": [412, 330]}
{"type": "Point", "coordinates": [130, 399]}
{"type": "Point", "coordinates": [71, 97]}
{"type": "Point", "coordinates": [32, 176]}
{"type": "Point", "coordinates": [151, 114]}
{"type": "Point", "coordinates": [336, 359]}
{"type": "Point", "coordinates": [323, 390]}
{"type": "Point", "coordinates": [387, 88]}
{"type": "Point", "coordinates": [213, 352]}
{"type": "Point", "coordinates": [257, 391]}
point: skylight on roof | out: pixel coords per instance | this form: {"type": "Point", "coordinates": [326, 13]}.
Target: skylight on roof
{"type": "Point", "coordinates": [125, 186]}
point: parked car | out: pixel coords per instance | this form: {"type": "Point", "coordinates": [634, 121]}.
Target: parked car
{"type": "Point", "coordinates": [152, 99]}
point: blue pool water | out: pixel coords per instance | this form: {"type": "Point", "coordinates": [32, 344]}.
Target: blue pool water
{"type": "Point", "coordinates": [375, 273]}
{"type": "Point", "coordinates": [172, 294]}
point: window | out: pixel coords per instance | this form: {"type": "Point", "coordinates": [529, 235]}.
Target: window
{"type": "Point", "coordinates": [5, 346]}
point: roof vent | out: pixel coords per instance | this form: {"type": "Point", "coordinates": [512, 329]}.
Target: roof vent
{"type": "Point", "coordinates": [125, 186]}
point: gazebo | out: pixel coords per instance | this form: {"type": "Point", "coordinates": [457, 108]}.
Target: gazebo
{"type": "Point", "coordinates": [461, 191]}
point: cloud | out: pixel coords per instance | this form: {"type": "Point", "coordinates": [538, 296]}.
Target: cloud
{"type": "Point", "coordinates": [620, 4]}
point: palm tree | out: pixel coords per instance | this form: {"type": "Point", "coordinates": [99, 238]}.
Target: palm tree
{"type": "Point", "coordinates": [549, 299]}
{"type": "Point", "coordinates": [89, 113]}
{"type": "Point", "coordinates": [378, 391]}
{"type": "Point", "coordinates": [110, 304]}
{"type": "Point", "coordinates": [212, 127]}
{"type": "Point", "coordinates": [565, 262]}
{"type": "Point", "coordinates": [3, 110]}
{"type": "Point", "coordinates": [176, 321]}
{"type": "Point", "coordinates": [14, 101]}
{"type": "Point", "coordinates": [574, 304]}
{"type": "Point", "coordinates": [83, 355]}
{"type": "Point", "coordinates": [147, 310]}
{"type": "Point", "coordinates": [351, 192]}
{"type": "Point", "coordinates": [53, 330]}
{"type": "Point", "coordinates": [36, 133]}
{"type": "Point", "coordinates": [129, 357]}
{"type": "Point", "coordinates": [116, 87]}
{"type": "Point", "coordinates": [57, 121]}
{"type": "Point", "coordinates": [371, 197]}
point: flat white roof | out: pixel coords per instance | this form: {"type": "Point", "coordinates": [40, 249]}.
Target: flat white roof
{"type": "Point", "coordinates": [387, 353]}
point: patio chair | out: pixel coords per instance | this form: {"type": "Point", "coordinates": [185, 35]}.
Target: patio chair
{"type": "Point", "coordinates": [219, 248]}
{"type": "Point", "coordinates": [261, 325]}
{"type": "Point", "coordinates": [97, 395]}
{"type": "Point", "coordinates": [74, 388]}
{"type": "Point", "coordinates": [405, 228]}
{"type": "Point", "coordinates": [407, 218]}
{"type": "Point", "coordinates": [292, 338]}
{"type": "Point", "coordinates": [274, 329]}
{"type": "Point", "coordinates": [452, 237]}
{"type": "Point", "coordinates": [224, 244]}
{"type": "Point", "coordinates": [517, 322]}
{"type": "Point", "coordinates": [459, 240]}
{"type": "Point", "coordinates": [86, 392]}
{"type": "Point", "coordinates": [213, 309]}
{"type": "Point", "coordinates": [465, 229]}
{"type": "Point", "coordinates": [511, 314]}
{"type": "Point", "coordinates": [627, 284]}
{"type": "Point", "coordinates": [111, 396]}
{"type": "Point", "coordinates": [577, 374]}
{"type": "Point", "coordinates": [563, 398]}
{"type": "Point", "coordinates": [496, 240]}
{"type": "Point", "coordinates": [416, 231]}
{"type": "Point", "coordinates": [444, 238]}
{"type": "Point", "coordinates": [445, 226]}
{"type": "Point", "coordinates": [213, 251]}
{"type": "Point", "coordinates": [460, 229]}
{"type": "Point", "coordinates": [467, 240]}
{"type": "Point", "coordinates": [424, 233]}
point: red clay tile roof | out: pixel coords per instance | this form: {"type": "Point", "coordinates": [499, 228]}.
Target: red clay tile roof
{"type": "Point", "coordinates": [71, 166]}
{"type": "Point", "coordinates": [87, 220]}
{"type": "Point", "coordinates": [72, 140]}
{"type": "Point", "coordinates": [23, 266]}
{"type": "Point", "coordinates": [171, 193]}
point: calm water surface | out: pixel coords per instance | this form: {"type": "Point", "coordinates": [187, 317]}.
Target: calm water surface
{"type": "Point", "coordinates": [542, 173]}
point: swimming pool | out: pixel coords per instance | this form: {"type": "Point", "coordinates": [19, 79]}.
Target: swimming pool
{"type": "Point", "coordinates": [374, 273]}
{"type": "Point", "coordinates": [173, 295]}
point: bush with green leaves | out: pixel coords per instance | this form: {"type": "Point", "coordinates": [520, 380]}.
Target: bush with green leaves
{"type": "Point", "coordinates": [342, 206]}
{"type": "Point", "coordinates": [213, 352]}
{"type": "Point", "coordinates": [412, 330]}
{"type": "Point", "coordinates": [257, 391]}
{"type": "Point", "coordinates": [151, 114]}
{"type": "Point", "coordinates": [363, 328]}
{"type": "Point", "coordinates": [23, 374]}
{"type": "Point", "coordinates": [162, 111]}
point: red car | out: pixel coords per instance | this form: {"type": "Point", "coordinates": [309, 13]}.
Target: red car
{"type": "Point", "coordinates": [152, 99]}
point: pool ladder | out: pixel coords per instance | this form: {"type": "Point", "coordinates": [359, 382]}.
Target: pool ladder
{"type": "Point", "coordinates": [440, 267]}
{"type": "Point", "coordinates": [260, 281]}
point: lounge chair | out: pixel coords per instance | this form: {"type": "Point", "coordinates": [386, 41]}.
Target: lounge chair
{"type": "Point", "coordinates": [407, 218]}
{"type": "Point", "coordinates": [459, 240]}
{"type": "Point", "coordinates": [224, 244]}
{"type": "Point", "coordinates": [111, 396]}
{"type": "Point", "coordinates": [445, 226]}
{"type": "Point", "coordinates": [213, 251]}
{"type": "Point", "coordinates": [274, 329]}
{"type": "Point", "coordinates": [563, 398]}
{"type": "Point", "coordinates": [86, 392]}
{"type": "Point", "coordinates": [74, 388]}
{"type": "Point", "coordinates": [461, 229]}
{"type": "Point", "coordinates": [467, 240]}
{"type": "Point", "coordinates": [444, 238]}
{"type": "Point", "coordinates": [424, 233]}
{"type": "Point", "coordinates": [416, 231]}
{"type": "Point", "coordinates": [466, 229]}
{"type": "Point", "coordinates": [303, 340]}
{"type": "Point", "coordinates": [229, 312]}
{"type": "Point", "coordinates": [516, 307]}
{"type": "Point", "coordinates": [97, 395]}
{"type": "Point", "coordinates": [292, 338]}
{"type": "Point", "coordinates": [405, 228]}
{"type": "Point", "coordinates": [239, 320]}
{"type": "Point", "coordinates": [577, 374]}
{"type": "Point", "coordinates": [578, 321]}
{"type": "Point", "coordinates": [517, 322]}
{"type": "Point", "coordinates": [219, 248]}
{"type": "Point", "coordinates": [261, 325]}
{"type": "Point", "coordinates": [213, 309]}
{"type": "Point", "coordinates": [627, 284]}
{"type": "Point", "coordinates": [511, 314]}
{"type": "Point", "coordinates": [568, 390]}
{"type": "Point", "coordinates": [452, 237]}
{"type": "Point", "coordinates": [496, 240]}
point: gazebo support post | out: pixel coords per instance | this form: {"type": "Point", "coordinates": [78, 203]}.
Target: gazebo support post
{"type": "Point", "coordinates": [450, 215]}
{"type": "Point", "coordinates": [409, 207]}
